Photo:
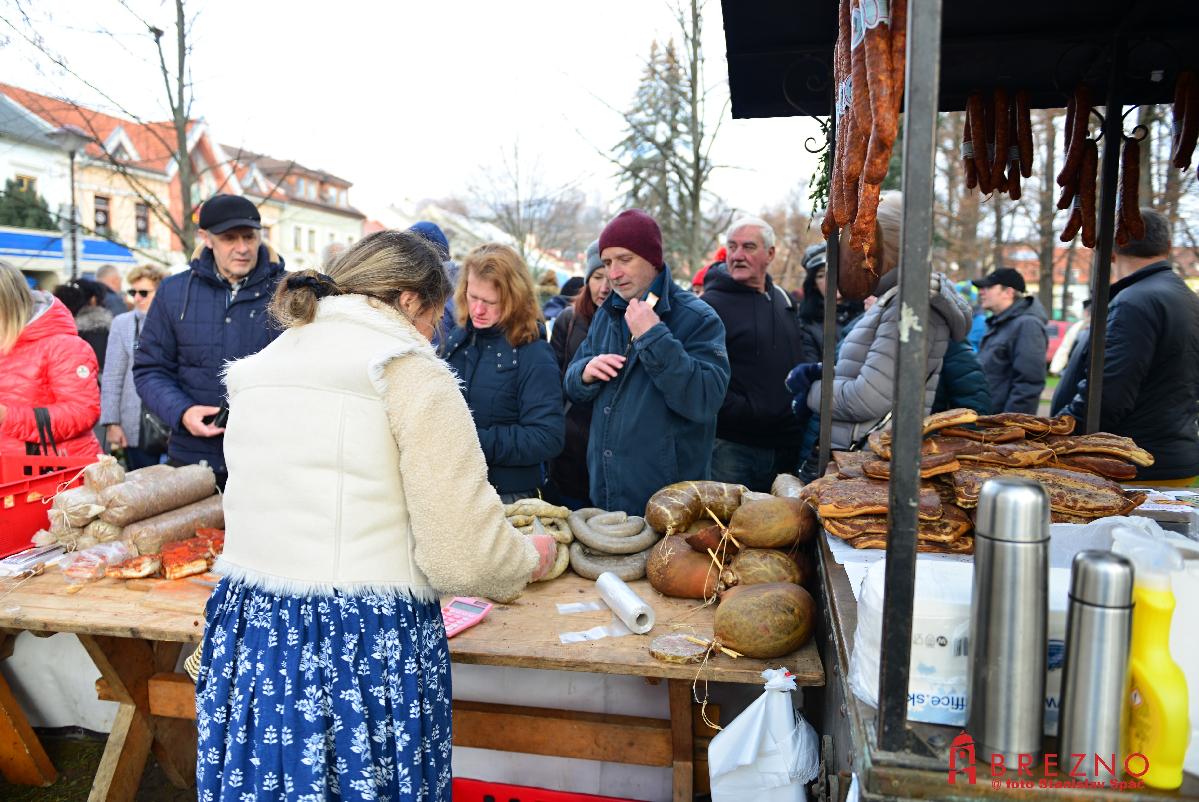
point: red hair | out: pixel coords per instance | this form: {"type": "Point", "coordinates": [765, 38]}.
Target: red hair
{"type": "Point", "coordinates": [501, 265]}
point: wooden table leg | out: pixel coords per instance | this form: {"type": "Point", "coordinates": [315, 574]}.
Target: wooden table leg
{"type": "Point", "coordinates": [126, 666]}
{"type": "Point", "coordinates": [22, 758]}
{"type": "Point", "coordinates": [681, 739]}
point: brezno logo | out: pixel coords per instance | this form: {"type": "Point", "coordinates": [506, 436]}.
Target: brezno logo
{"type": "Point", "coordinates": [962, 749]}
{"type": "Point", "coordinates": [1077, 771]}
{"type": "Point", "coordinates": [83, 371]}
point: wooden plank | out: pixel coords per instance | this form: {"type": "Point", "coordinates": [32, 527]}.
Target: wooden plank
{"type": "Point", "coordinates": [525, 634]}
{"type": "Point", "coordinates": [124, 759]}
{"type": "Point", "coordinates": [173, 696]}
{"type": "Point", "coordinates": [563, 733]}
{"type": "Point", "coordinates": [681, 740]}
{"type": "Point", "coordinates": [174, 748]}
{"type": "Point", "coordinates": [521, 634]}
{"type": "Point", "coordinates": [22, 759]}
{"type": "Point", "coordinates": [48, 604]}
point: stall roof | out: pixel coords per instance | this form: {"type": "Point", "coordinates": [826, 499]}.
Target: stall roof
{"type": "Point", "coordinates": [779, 51]}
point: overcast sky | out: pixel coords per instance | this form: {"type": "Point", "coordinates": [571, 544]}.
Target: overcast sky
{"type": "Point", "coordinates": [409, 100]}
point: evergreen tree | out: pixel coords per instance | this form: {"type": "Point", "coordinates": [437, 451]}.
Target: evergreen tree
{"type": "Point", "coordinates": [663, 159]}
{"type": "Point", "coordinates": [24, 208]}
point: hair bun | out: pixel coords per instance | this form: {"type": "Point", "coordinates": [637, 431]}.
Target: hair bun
{"type": "Point", "coordinates": [320, 284]}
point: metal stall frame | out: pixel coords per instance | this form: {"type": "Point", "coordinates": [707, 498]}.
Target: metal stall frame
{"type": "Point", "coordinates": [907, 752]}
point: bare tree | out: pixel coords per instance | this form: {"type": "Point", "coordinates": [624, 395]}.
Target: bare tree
{"type": "Point", "coordinates": [1046, 206]}
{"type": "Point", "coordinates": [516, 197]}
{"type": "Point", "coordinates": [172, 135]}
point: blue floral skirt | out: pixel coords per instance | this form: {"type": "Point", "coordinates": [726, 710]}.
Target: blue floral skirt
{"type": "Point", "coordinates": [324, 697]}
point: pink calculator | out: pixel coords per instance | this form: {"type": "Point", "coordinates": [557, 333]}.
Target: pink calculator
{"type": "Point", "coordinates": [462, 613]}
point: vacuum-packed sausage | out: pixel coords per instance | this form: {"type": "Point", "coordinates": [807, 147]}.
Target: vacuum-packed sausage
{"type": "Point", "coordinates": [1076, 141]}
{"type": "Point", "coordinates": [976, 117]}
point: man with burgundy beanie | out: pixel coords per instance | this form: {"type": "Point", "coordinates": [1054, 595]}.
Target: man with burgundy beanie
{"type": "Point", "coordinates": [654, 369]}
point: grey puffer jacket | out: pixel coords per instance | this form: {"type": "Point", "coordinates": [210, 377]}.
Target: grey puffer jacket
{"type": "Point", "coordinates": [864, 378]}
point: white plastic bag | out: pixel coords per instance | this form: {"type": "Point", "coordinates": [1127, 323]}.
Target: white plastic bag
{"type": "Point", "coordinates": [768, 753]}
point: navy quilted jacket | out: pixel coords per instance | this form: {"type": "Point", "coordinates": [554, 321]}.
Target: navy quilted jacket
{"type": "Point", "coordinates": [515, 396]}
{"type": "Point", "coordinates": [194, 327]}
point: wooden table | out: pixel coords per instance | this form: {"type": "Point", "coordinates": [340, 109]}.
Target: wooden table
{"type": "Point", "coordinates": [134, 633]}
{"type": "Point", "coordinates": [850, 731]}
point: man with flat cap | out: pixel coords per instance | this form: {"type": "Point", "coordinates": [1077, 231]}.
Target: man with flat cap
{"type": "Point", "coordinates": [1013, 350]}
{"type": "Point", "coordinates": [213, 313]}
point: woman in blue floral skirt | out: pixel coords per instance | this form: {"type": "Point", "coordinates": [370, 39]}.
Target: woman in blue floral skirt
{"type": "Point", "coordinates": [357, 493]}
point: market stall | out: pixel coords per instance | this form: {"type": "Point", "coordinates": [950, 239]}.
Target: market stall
{"type": "Point", "coordinates": [134, 633]}
{"type": "Point", "coordinates": [705, 587]}
{"type": "Point", "coordinates": [785, 60]}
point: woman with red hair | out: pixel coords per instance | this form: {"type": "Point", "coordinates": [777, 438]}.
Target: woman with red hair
{"type": "Point", "coordinates": [508, 373]}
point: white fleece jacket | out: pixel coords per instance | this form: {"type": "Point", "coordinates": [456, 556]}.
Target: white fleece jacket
{"type": "Point", "coordinates": [354, 465]}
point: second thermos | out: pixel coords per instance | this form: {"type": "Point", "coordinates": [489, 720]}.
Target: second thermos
{"type": "Point", "coordinates": [1009, 613]}
{"type": "Point", "coordinates": [1095, 675]}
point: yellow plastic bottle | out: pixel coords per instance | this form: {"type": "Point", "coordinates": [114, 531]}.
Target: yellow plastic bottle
{"type": "Point", "coordinates": [1157, 698]}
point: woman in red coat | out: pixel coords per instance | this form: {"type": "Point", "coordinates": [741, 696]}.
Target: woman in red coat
{"type": "Point", "coordinates": [44, 363]}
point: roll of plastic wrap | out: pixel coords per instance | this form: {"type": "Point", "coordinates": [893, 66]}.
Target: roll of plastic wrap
{"type": "Point", "coordinates": [633, 612]}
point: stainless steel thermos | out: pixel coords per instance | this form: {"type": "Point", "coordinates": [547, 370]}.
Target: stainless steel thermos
{"type": "Point", "coordinates": [1009, 613]}
{"type": "Point", "coordinates": [1095, 675]}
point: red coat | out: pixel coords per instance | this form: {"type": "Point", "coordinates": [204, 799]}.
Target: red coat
{"type": "Point", "coordinates": [50, 366]}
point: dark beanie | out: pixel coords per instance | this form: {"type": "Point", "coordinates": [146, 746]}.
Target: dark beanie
{"type": "Point", "coordinates": [637, 231]}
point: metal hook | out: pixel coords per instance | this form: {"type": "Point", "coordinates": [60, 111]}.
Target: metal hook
{"type": "Point", "coordinates": [816, 81]}
{"type": "Point", "coordinates": [1144, 134]}
{"type": "Point", "coordinates": [1101, 123]}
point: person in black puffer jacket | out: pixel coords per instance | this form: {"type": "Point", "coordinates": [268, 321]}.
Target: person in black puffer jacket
{"type": "Point", "coordinates": [1151, 358]}
{"type": "Point", "coordinates": [509, 376]}
{"type": "Point", "coordinates": [569, 480]}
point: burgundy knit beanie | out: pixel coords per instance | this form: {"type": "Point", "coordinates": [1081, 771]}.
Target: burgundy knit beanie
{"type": "Point", "coordinates": [637, 231]}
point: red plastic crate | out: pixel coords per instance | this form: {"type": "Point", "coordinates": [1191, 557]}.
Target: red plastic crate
{"type": "Point", "coordinates": [24, 483]}
{"type": "Point", "coordinates": [479, 791]}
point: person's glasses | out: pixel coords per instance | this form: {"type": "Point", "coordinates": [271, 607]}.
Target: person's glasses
{"type": "Point", "coordinates": [140, 293]}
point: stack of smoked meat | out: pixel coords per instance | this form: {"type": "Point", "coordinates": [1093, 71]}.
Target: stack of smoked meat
{"type": "Point", "coordinates": [961, 450]}
{"type": "Point", "coordinates": [869, 74]}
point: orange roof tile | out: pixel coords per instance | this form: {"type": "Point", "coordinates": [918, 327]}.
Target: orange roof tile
{"type": "Point", "coordinates": [153, 141]}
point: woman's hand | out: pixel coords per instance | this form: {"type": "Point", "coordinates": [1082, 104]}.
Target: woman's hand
{"type": "Point", "coordinates": [115, 436]}
{"type": "Point", "coordinates": [547, 551]}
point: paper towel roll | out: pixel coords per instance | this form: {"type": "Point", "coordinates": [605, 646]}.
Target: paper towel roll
{"type": "Point", "coordinates": [628, 606]}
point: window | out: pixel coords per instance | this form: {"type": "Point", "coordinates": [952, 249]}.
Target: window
{"type": "Point", "coordinates": [300, 187]}
{"type": "Point", "coordinates": [297, 242]}
{"type": "Point", "coordinates": [266, 234]}
{"type": "Point", "coordinates": [102, 219]}
{"type": "Point", "coordinates": [141, 213]}
{"type": "Point", "coordinates": [332, 237]}
{"type": "Point", "coordinates": [26, 183]}
{"type": "Point", "coordinates": [311, 190]}
{"type": "Point", "coordinates": [312, 240]}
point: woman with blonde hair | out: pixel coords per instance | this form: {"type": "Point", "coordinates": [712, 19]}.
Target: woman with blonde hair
{"type": "Point", "coordinates": [357, 494]}
{"type": "Point", "coordinates": [49, 396]}
{"type": "Point", "coordinates": [121, 409]}
{"type": "Point", "coordinates": [508, 371]}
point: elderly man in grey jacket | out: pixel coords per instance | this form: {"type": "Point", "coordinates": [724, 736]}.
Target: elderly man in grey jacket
{"type": "Point", "coordinates": [1013, 351]}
